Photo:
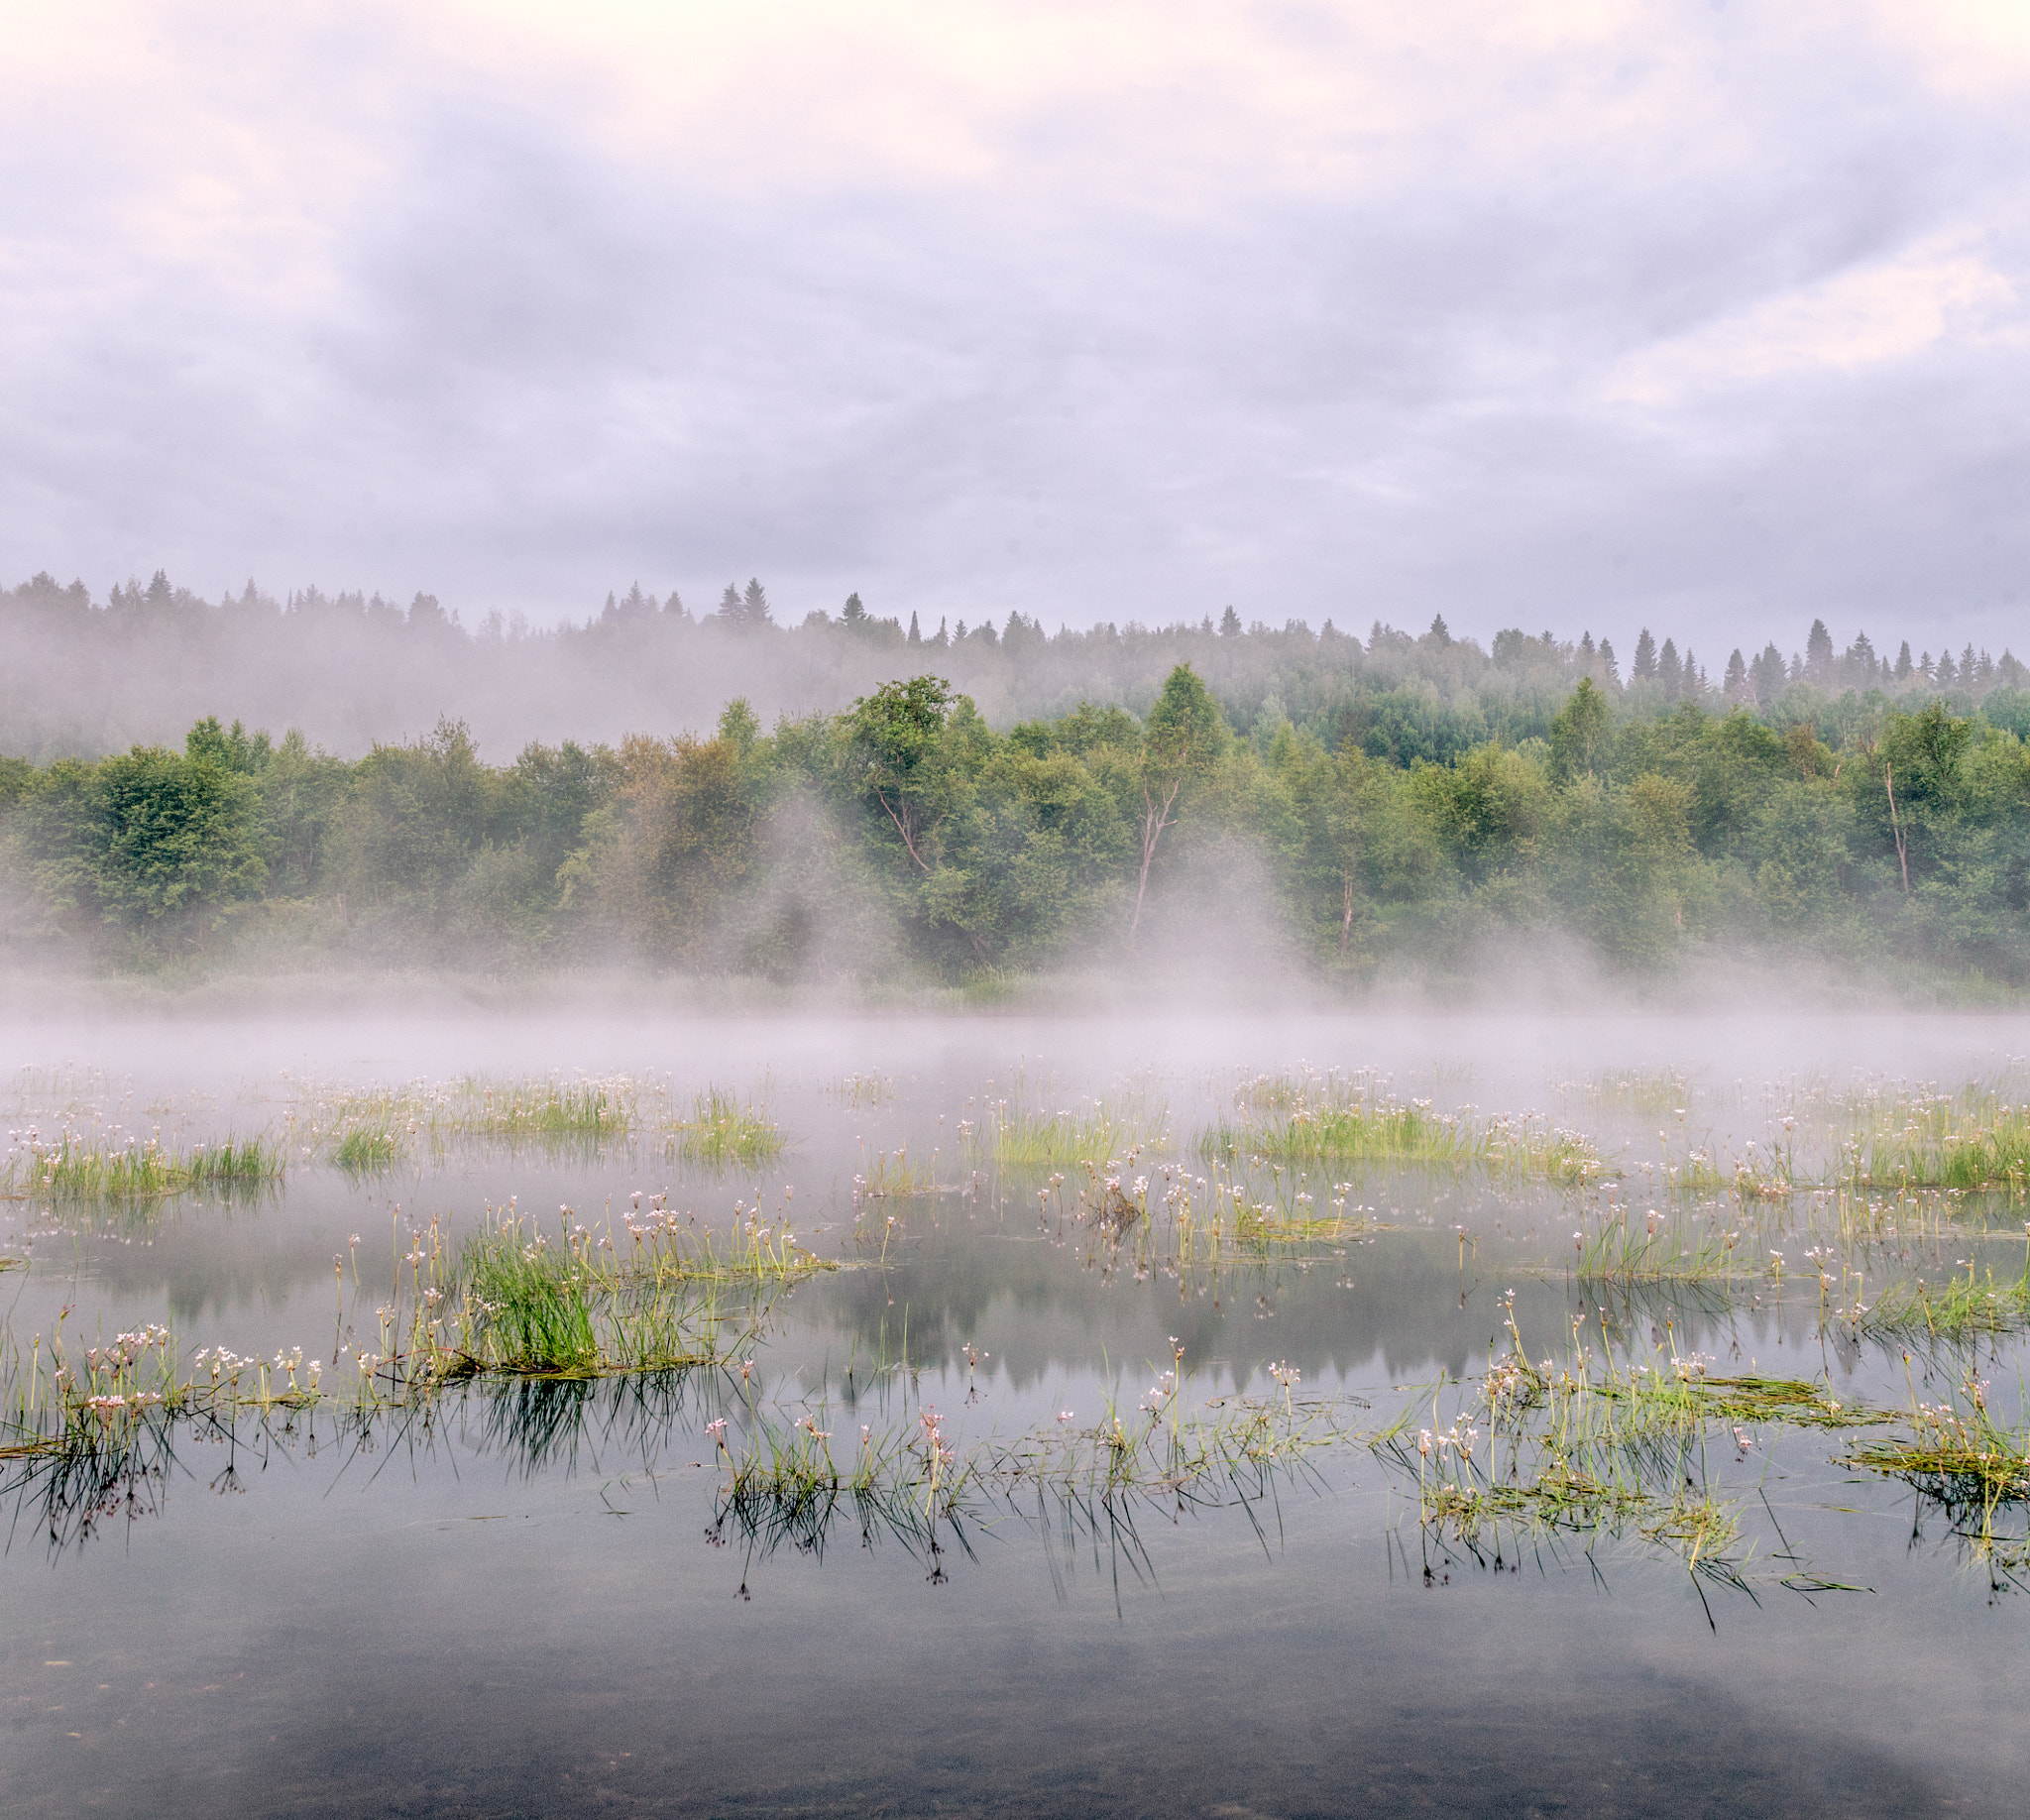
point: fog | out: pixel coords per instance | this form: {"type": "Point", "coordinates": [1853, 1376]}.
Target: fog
{"type": "Point", "coordinates": [1166, 866]}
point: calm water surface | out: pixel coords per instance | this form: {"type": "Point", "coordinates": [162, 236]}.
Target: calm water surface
{"type": "Point", "coordinates": [531, 1600]}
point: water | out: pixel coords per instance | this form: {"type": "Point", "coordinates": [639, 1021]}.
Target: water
{"type": "Point", "coordinates": [531, 1598]}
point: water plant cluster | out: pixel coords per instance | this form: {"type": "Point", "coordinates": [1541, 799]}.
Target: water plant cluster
{"type": "Point", "coordinates": [1602, 1448]}
{"type": "Point", "coordinates": [78, 1162]}
{"type": "Point", "coordinates": [1328, 1116]}
{"type": "Point", "coordinates": [365, 1127]}
{"type": "Point", "coordinates": [1607, 1447]}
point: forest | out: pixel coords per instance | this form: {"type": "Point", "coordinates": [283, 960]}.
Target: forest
{"type": "Point", "coordinates": [1882, 837]}
{"type": "Point", "coordinates": [91, 676]}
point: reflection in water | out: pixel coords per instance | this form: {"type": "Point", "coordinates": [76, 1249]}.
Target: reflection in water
{"type": "Point", "coordinates": [1224, 1584]}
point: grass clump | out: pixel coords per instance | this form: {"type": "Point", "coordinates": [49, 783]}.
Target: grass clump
{"type": "Point", "coordinates": [546, 1107]}
{"type": "Point", "coordinates": [58, 1400]}
{"type": "Point", "coordinates": [1974, 1139]}
{"type": "Point", "coordinates": [98, 1164]}
{"type": "Point", "coordinates": [1661, 1247]}
{"type": "Point", "coordinates": [1961, 1308]}
{"type": "Point", "coordinates": [1649, 1092]}
{"type": "Point", "coordinates": [893, 1175]}
{"type": "Point", "coordinates": [1528, 1147]}
{"type": "Point", "coordinates": [720, 1130]}
{"type": "Point", "coordinates": [373, 1126]}
{"type": "Point", "coordinates": [1097, 1131]}
{"type": "Point", "coordinates": [364, 1147]}
{"type": "Point", "coordinates": [1601, 1449]}
{"type": "Point", "coordinates": [788, 1480]}
{"type": "Point", "coordinates": [1331, 1119]}
{"type": "Point", "coordinates": [1956, 1455]}
{"type": "Point", "coordinates": [513, 1299]}
{"type": "Point", "coordinates": [862, 1090]}
{"type": "Point", "coordinates": [1315, 1117]}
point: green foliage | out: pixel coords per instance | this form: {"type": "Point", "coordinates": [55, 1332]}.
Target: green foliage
{"type": "Point", "coordinates": [1580, 733]}
{"type": "Point", "coordinates": [149, 839]}
{"type": "Point", "coordinates": [1885, 844]}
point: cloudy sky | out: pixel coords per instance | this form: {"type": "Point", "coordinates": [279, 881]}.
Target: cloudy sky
{"type": "Point", "coordinates": [1707, 314]}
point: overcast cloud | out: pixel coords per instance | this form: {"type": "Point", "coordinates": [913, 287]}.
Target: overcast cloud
{"type": "Point", "coordinates": [1707, 317]}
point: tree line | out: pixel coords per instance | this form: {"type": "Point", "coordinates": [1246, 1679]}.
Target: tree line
{"type": "Point", "coordinates": [87, 678]}
{"type": "Point", "coordinates": [907, 837]}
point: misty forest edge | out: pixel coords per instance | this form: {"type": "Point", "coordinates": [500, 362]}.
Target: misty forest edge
{"type": "Point", "coordinates": [1406, 807]}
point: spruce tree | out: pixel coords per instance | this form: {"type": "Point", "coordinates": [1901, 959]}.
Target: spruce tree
{"type": "Point", "coordinates": [1818, 653]}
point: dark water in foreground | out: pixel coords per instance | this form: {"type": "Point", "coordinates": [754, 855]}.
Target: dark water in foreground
{"type": "Point", "coordinates": [534, 1605]}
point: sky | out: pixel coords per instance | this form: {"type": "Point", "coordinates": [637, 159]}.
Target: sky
{"type": "Point", "coordinates": [1707, 315]}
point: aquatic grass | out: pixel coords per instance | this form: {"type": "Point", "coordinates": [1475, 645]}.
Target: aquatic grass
{"type": "Point", "coordinates": [1333, 1119]}
{"type": "Point", "coordinates": [788, 1479]}
{"type": "Point", "coordinates": [545, 1106]}
{"type": "Point", "coordinates": [1409, 1132]}
{"type": "Point", "coordinates": [1649, 1092]}
{"type": "Point", "coordinates": [722, 1130]}
{"type": "Point", "coordinates": [364, 1147]}
{"type": "Point", "coordinates": [1527, 1146]}
{"type": "Point", "coordinates": [1958, 1308]}
{"type": "Point", "coordinates": [782, 1483]}
{"type": "Point", "coordinates": [366, 1127]}
{"type": "Point", "coordinates": [97, 1164]}
{"type": "Point", "coordinates": [1095, 1131]}
{"type": "Point", "coordinates": [1957, 1456]}
{"type": "Point", "coordinates": [529, 1307]}
{"type": "Point", "coordinates": [1601, 1449]}
{"type": "Point", "coordinates": [892, 1174]}
{"type": "Point", "coordinates": [1978, 1139]}
{"type": "Point", "coordinates": [513, 1299]}
{"type": "Point", "coordinates": [1185, 1223]}
{"type": "Point", "coordinates": [64, 1398]}
{"type": "Point", "coordinates": [1661, 1248]}
{"type": "Point", "coordinates": [1315, 1117]}
{"type": "Point", "coordinates": [862, 1090]}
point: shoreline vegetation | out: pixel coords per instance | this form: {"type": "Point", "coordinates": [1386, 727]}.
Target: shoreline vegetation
{"type": "Point", "coordinates": [1410, 817]}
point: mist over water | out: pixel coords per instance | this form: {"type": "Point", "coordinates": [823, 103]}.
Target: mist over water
{"type": "Point", "coordinates": [529, 1594]}
{"type": "Point", "coordinates": [1014, 911]}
